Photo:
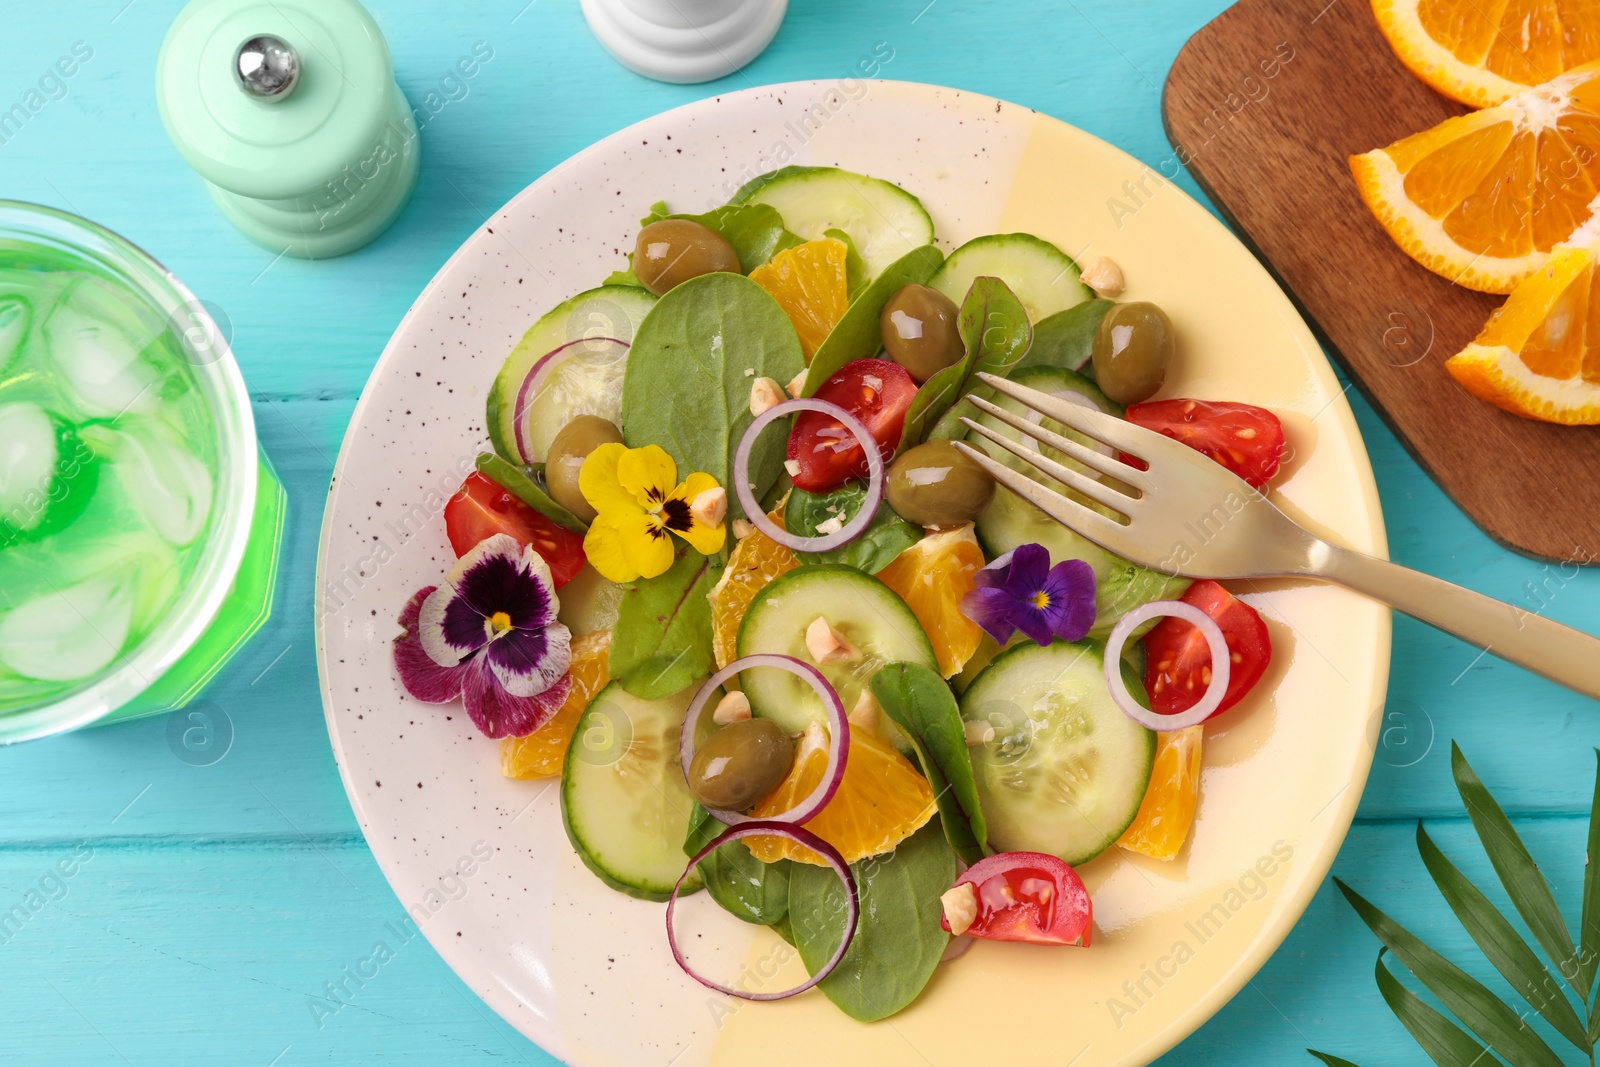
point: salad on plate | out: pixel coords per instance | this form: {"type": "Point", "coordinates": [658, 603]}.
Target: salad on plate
{"type": "Point", "coordinates": [725, 572]}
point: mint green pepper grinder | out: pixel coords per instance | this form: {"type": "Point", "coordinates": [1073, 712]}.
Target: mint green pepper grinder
{"type": "Point", "coordinates": [290, 112]}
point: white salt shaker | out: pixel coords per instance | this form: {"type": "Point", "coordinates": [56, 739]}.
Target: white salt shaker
{"type": "Point", "coordinates": [684, 40]}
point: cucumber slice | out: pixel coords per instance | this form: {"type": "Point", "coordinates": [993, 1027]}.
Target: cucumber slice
{"type": "Point", "coordinates": [588, 381]}
{"type": "Point", "coordinates": [624, 802]}
{"type": "Point", "coordinates": [1066, 770]}
{"type": "Point", "coordinates": [883, 221]}
{"type": "Point", "coordinates": [868, 613]}
{"type": "Point", "coordinates": [1042, 276]}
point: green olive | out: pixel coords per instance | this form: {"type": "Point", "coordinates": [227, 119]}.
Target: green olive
{"type": "Point", "coordinates": [675, 250]}
{"type": "Point", "coordinates": [921, 331]}
{"type": "Point", "coordinates": [1132, 350]}
{"type": "Point", "coordinates": [570, 448]}
{"type": "Point", "coordinates": [740, 764]}
{"type": "Point", "coordinates": [935, 484]}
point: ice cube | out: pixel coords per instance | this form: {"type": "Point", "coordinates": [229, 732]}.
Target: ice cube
{"type": "Point", "coordinates": [169, 485]}
{"type": "Point", "coordinates": [15, 315]}
{"type": "Point", "coordinates": [95, 340]}
{"type": "Point", "coordinates": [71, 633]}
{"type": "Point", "coordinates": [28, 454]}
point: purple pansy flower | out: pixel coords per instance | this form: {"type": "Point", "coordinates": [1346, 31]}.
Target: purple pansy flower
{"type": "Point", "coordinates": [1021, 591]}
{"type": "Point", "coordinates": [489, 635]}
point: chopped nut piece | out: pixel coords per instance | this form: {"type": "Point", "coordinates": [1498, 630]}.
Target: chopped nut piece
{"type": "Point", "coordinates": [1103, 276]}
{"type": "Point", "coordinates": [743, 528]}
{"type": "Point", "coordinates": [960, 907]}
{"type": "Point", "coordinates": [749, 372]}
{"type": "Point", "coordinates": [710, 507]}
{"type": "Point", "coordinates": [866, 714]}
{"type": "Point", "coordinates": [979, 733]}
{"type": "Point", "coordinates": [831, 526]}
{"type": "Point", "coordinates": [764, 393]}
{"type": "Point", "coordinates": [828, 645]}
{"type": "Point", "coordinates": [798, 384]}
{"type": "Point", "coordinates": [733, 707]}
{"type": "Point", "coordinates": [792, 466]}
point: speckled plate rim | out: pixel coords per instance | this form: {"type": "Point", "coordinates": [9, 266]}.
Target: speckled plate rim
{"type": "Point", "coordinates": [1367, 533]}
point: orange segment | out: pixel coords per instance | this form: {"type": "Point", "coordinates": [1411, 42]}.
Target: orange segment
{"type": "Point", "coordinates": [1482, 52]}
{"type": "Point", "coordinates": [931, 577]}
{"type": "Point", "coordinates": [1167, 810]}
{"type": "Point", "coordinates": [809, 282]}
{"type": "Point", "coordinates": [881, 801]}
{"type": "Point", "coordinates": [1539, 355]}
{"type": "Point", "coordinates": [1483, 199]}
{"type": "Point", "coordinates": [541, 753]}
{"type": "Point", "coordinates": [756, 560]}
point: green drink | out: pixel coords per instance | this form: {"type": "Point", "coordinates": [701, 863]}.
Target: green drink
{"type": "Point", "coordinates": [128, 477]}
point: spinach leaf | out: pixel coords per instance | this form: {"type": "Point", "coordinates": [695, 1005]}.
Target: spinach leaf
{"type": "Point", "coordinates": [921, 704]}
{"type": "Point", "coordinates": [524, 484]}
{"type": "Point", "coordinates": [995, 330]}
{"type": "Point", "coordinates": [662, 640]}
{"type": "Point", "coordinates": [756, 231]}
{"type": "Point", "coordinates": [857, 336]}
{"type": "Point", "coordinates": [624, 277]}
{"type": "Point", "coordinates": [898, 942]}
{"type": "Point", "coordinates": [855, 268]}
{"type": "Point", "coordinates": [687, 386]}
{"type": "Point", "coordinates": [1066, 338]}
{"type": "Point", "coordinates": [886, 537]}
{"type": "Point", "coordinates": [745, 887]}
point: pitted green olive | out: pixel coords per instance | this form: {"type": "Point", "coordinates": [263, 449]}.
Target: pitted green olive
{"type": "Point", "coordinates": [1132, 351]}
{"type": "Point", "coordinates": [570, 448]}
{"type": "Point", "coordinates": [921, 330]}
{"type": "Point", "coordinates": [740, 764]}
{"type": "Point", "coordinates": [674, 250]}
{"type": "Point", "coordinates": [935, 484]}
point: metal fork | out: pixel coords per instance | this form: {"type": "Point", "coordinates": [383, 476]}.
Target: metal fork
{"type": "Point", "coordinates": [1189, 516]}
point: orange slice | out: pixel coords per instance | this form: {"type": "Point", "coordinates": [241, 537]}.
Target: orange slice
{"type": "Point", "coordinates": [1482, 199]}
{"type": "Point", "coordinates": [1169, 801]}
{"type": "Point", "coordinates": [541, 753]}
{"type": "Point", "coordinates": [1481, 52]}
{"type": "Point", "coordinates": [809, 282]}
{"type": "Point", "coordinates": [756, 560]}
{"type": "Point", "coordinates": [881, 801]}
{"type": "Point", "coordinates": [931, 577]}
{"type": "Point", "coordinates": [1539, 355]}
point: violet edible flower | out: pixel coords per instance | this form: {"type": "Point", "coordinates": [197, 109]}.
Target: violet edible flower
{"type": "Point", "coordinates": [1021, 591]}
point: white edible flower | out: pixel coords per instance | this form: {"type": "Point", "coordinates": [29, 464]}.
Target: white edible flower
{"type": "Point", "coordinates": [831, 526]}
{"type": "Point", "coordinates": [798, 384]}
{"type": "Point", "coordinates": [960, 907]}
{"type": "Point", "coordinates": [733, 707]}
{"type": "Point", "coordinates": [764, 393]}
{"type": "Point", "coordinates": [828, 645]}
{"type": "Point", "coordinates": [1103, 276]}
{"type": "Point", "coordinates": [710, 507]}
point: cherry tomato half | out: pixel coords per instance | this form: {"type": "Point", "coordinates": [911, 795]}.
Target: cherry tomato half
{"type": "Point", "coordinates": [1243, 438]}
{"type": "Point", "coordinates": [1178, 670]}
{"type": "Point", "coordinates": [481, 509]}
{"type": "Point", "coordinates": [876, 391]}
{"type": "Point", "coordinates": [1028, 896]}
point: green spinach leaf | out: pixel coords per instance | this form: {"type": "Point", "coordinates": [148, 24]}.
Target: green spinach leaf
{"type": "Point", "coordinates": [687, 386]}
{"type": "Point", "coordinates": [898, 941]}
{"type": "Point", "coordinates": [524, 484]}
{"type": "Point", "coordinates": [855, 268]}
{"type": "Point", "coordinates": [756, 231]}
{"type": "Point", "coordinates": [1066, 339]}
{"type": "Point", "coordinates": [742, 885]}
{"type": "Point", "coordinates": [921, 704]}
{"type": "Point", "coordinates": [886, 537]}
{"type": "Point", "coordinates": [995, 330]}
{"type": "Point", "coordinates": [857, 335]}
{"type": "Point", "coordinates": [662, 640]}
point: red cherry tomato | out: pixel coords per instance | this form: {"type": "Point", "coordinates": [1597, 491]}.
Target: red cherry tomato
{"type": "Point", "coordinates": [481, 509]}
{"type": "Point", "coordinates": [1179, 659]}
{"type": "Point", "coordinates": [1243, 438]}
{"type": "Point", "coordinates": [876, 391]}
{"type": "Point", "coordinates": [1028, 896]}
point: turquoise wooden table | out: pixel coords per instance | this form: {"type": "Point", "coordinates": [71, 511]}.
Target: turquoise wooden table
{"type": "Point", "coordinates": [212, 908]}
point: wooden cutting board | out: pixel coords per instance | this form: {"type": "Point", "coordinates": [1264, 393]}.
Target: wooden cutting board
{"type": "Point", "coordinates": [1264, 105]}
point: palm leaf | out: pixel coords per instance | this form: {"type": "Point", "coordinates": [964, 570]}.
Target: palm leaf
{"type": "Point", "coordinates": [1529, 892]}
{"type": "Point", "coordinates": [1590, 930]}
{"type": "Point", "coordinates": [1445, 1043]}
{"type": "Point", "coordinates": [1331, 1061]}
{"type": "Point", "coordinates": [1483, 1012]}
{"type": "Point", "coordinates": [1501, 944]}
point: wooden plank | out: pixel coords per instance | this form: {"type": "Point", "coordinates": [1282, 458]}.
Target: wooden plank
{"type": "Point", "coordinates": [1265, 103]}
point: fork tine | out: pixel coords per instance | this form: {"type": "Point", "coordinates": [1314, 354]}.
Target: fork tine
{"type": "Point", "coordinates": [1110, 535]}
{"type": "Point", "coordinates": [1089, 487]}
{"type": "Point", "coordinates": [1099, 461]}
{"type": "Point", "coordinates": [1113, 431]}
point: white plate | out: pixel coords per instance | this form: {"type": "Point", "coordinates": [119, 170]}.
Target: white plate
{"type": "Point", "coordinates": [584, 971]}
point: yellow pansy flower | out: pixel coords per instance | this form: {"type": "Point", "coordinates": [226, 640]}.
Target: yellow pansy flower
{"type": "Point", "coordinates": [640, 500]}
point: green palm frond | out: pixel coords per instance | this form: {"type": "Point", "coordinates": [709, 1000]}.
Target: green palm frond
{"type": "Point", "coordinates": [1485, 1026]}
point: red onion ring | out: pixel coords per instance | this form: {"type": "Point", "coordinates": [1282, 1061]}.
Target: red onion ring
{"type": "Point", "coordinates": [1221, 665]}
{"type": "Point", "coordinates": [752, 508]}
{"type": "Point", "coordinates": [541, 370]}
{"type": "Point", "coordinates": [838, 734]}
{"type": "Point", "coordinates": [800, 836]}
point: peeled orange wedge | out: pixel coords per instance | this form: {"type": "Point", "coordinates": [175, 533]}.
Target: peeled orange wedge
{"type": "Point", "coordinates": [1167, 810]}
{"type": "Point", "coordinates": [931, 577]}
{"type": "Point", "coordinates": [881, 801]}
{"type": "Point", "coordinates": [810, 283]}
{"type": "Point", "coordinates": [1539, 355]}
{"type": "Point", "coordinates": [1482, 199]}
{"type": "Point", "coordinates": [756, 560]}
{"type": "Point", "coordinates": [541, 753]}
{"type": "Point", "coordinates": [1481, 52]}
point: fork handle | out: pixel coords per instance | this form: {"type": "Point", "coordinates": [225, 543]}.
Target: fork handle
{"type": "Point", "coordinates": [1558, 652]}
